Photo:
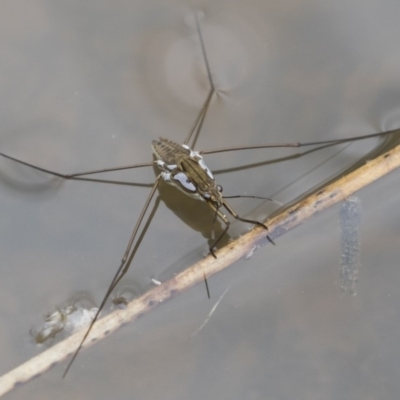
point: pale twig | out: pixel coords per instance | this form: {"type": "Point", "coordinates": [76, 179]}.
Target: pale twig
{"type": "Point", "coordinates": [287, 219]}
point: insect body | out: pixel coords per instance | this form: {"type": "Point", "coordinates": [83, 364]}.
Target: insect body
{"type": "Point", "coordinates": [185, 169]}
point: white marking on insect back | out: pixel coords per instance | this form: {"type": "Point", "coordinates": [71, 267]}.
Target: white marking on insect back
{"type": "Point", "coordinates": [196, 154]}
{"type": "Point", "coordinates": [163, 166]}
{"type": "Point", "coordinates": [199, 158]}
{"type": "Point", "coordinates": [166, 176]}
{"type": "Point", "coordinates": [205, 168]}
{"type": "Point", "coordinates": [185, 181]}
{"type": "Point", "coordinates": [193, 154]}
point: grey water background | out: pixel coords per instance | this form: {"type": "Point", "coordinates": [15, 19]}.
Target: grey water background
{"type": "Point", "coordinates": [89, 85]}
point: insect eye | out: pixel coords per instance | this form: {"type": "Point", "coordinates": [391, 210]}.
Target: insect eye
{"type": "Point", "coordinates": [219, 188]}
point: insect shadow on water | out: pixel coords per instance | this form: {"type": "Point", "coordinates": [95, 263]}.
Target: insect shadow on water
{"type": "Point", "coordinates": [185, 169]}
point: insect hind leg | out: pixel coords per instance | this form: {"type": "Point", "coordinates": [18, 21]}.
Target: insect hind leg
{"type": "Point", "coordinates": [220, 236]}
{"type": "Point", "coordinates": [47, 171]}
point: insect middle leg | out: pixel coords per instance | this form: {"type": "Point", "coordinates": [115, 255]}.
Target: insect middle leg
{"type": "Point", "coordinates": [121, 271]}
{"type": "Point", "coordinates": [130, 250]}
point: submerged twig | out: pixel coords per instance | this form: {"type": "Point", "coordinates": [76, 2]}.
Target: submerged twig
{"type": "Point", "coordinates": [287, 219]}
{"type": "Point", "coordinates": [205, 322]}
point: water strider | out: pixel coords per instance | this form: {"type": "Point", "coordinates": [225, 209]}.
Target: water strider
{"type": "Point", "coordinates": [183, 167]}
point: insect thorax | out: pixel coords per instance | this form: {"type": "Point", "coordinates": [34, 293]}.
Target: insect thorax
{"type": "Point", "coordinates": [185, 169]}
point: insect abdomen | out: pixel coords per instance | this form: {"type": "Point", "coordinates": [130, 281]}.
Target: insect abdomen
{"type": "Point", "coordinates": [168, 151]}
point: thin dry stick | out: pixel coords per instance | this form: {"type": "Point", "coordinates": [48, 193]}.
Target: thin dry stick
{"type": "Point", "coordinates": [318, 201]}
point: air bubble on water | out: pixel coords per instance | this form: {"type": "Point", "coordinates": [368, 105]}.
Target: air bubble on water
{"type": "Point", "coordinates": [63, 322]}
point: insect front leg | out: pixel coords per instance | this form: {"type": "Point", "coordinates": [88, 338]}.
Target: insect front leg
{"type": "Point", "coordinates": [221, 235]}
{"type": "Point", "coordinates": [250, 221]}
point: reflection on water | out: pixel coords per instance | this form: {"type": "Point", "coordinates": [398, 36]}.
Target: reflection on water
{"type": "Point", "coordinates": [350, 220]}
